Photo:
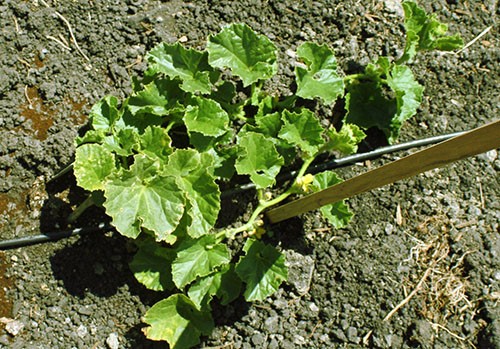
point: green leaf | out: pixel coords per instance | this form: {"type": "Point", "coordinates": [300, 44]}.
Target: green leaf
{"type": "Point", "coordinates": [337, 214]}
{"type": "Point", "coordinates": [269, 124]}
{"type": "Point", "coordinates": [224, 283]}
{"type": "Point", "coordinates": [249, 55]}
{"type": "Point", "coordinates": [198, 258]}
{"type": "Point", "coordinates": [346, 140]}
{"type": "Point", "coordinates": [369, 103]}
{"type": "Point", "coordinates": [127, 140]}
{"type": "Point", "coordinates": [259, 159]}
{"type": "Point", "coordinates": [194, 177]}
{"type": "Point", "coordinates": [91, 136]}
{"type": "Point", "coordinates": [230, 286]}
{"type": "Point", "coordinates": [93, 164]}
{"type": "Point", "coordinates": [320, 79]}
{"type": "Point", "coordinates": [262, 269]}
{"type": "Point", "coordinates": [104, 114]}
{"type": "Point", "coordinates": [367, 106]}
{"type": "Point", "coordinates": [206, 117]}
{"type": "Point", "coordinates": [302, 130]}
{"type": "Point", "coordinates": [142, 197]}
{"type": "Point", "coordinates": [139, 121]}
{"type": "Point", "coordinates": [156, 143]}
{"type": "Point", "coordinates": [408, 94]}
{"type": "Point", "coordinates": [425, 32]}
{"type": "Point", "coordinates": [177, 321]}
{"type": "Point", "coordinates": [151, 266]}
{"type": "Point", "coordinates": [160, 97]}
{"type": "Point", "coordinates": [190, 65]}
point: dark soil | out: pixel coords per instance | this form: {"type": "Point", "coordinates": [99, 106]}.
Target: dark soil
{"type": "Point", "coordinates": [437, 232]}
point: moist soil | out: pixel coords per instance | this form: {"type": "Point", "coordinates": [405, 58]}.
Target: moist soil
{"type": "Point", "coordinates": [432, 240]}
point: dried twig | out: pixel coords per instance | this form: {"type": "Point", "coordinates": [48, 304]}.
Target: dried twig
{"type": "Point", "coordinates": [410, 296]}
{"type": "Point", "coordinates": [473, 41]}
{"type": "Point", "coordinates": [28, 97]}
{"type": "Point", "coordinates": [70, 31]}
{"type": "Point", "coordinates": [16, 24]}
{"type": "Point", "coordinates": [59, 42]}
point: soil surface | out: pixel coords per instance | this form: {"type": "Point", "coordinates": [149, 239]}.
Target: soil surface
{"type": "Point", "coordinates": [433, 239]}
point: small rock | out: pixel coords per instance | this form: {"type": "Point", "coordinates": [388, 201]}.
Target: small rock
{"type": "Point", "coordinates": [112, 341]}
{"type": "Point", "coordinates": [4, 340]}
{"type": "Point", "coordinates": [352, 335]}
{"type": "Point", "coordinates": [84, 310]}
{"type": "Point", "coordinates": [258, 339]}
{"type": "Point", "coordinates": [271, 324]}
{"type": "Point", "coordinates": [389, 228]}
{"type": "Point", "coordinates": [273, 344]}
{"type": "Point", "coordinates": [340, 335]}
{"type": "Point", "coordinates": [395, 7]}
{"type": "Point", "coordinates": [299, 340]}
{"type": "Point", "coordinates": [489, 156]}
{"type": "Point", "coordinates": [313, 307]}
{"type": "Point", "coordinates": [14, 327]}
{"type": "Point", "coordinates": [300, 271]}
{"type": "Point", "coordinates": [81, 331]}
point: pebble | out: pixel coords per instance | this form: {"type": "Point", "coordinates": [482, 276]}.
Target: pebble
{"type": "Point", "coordinates": [4, 340]}
{"type": "Point", "coordinates": [85, 310]}
{"type": "Point", "coordinates": [313, 307]}
{"type": "Point", "coordinates": [300, 271]}
{"type": "Point", "coordinates": [82, 331]}
{"type": "Point", "coordinates": [352, 335]}
{"type": "Point", "coordinates": [258, 339]}
{"type": "Point", "coordinates": [14, 327]}
{"type": "Point", "coordinates": [271, 324]}
{"type": "Point", "coordinates": [112, 341]}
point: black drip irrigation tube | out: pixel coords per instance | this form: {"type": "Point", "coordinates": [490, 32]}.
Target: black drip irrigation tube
{"type": "Point", "coordinates": [329, 165]}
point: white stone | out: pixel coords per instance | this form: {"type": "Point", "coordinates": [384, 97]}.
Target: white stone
{"type": "Point", "coordinates": [112, 341]}
{"type": "Point", "coordinates": [14, 327]}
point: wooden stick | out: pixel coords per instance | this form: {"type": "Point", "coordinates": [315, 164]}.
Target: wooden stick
{"type": "Point", "coordinates": [471, 143]}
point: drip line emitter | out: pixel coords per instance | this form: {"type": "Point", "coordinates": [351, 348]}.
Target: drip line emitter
{"type": "Point", "coordinates": [328, 165]}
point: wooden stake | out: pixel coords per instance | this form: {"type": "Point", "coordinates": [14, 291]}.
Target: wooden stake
{"type": "Point", "coordinates": [471, 143]}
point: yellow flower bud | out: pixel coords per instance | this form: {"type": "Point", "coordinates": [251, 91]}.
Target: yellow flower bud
{"type": "Point", "coordinates": [304, 182]}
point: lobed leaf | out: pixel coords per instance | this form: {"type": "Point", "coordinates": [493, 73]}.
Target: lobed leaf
{"type": "Point", "coordinates": [249, 55]}
{"type": "Point", "coordinates": [156, 143]}
{"type": "Point", "coordinates": [408, 94]}
{"type": "Point", "coordinates": [258, 158]}
{"type": "Point", "coordinates": [346, 140]}
{"type": "Point", "coordinates": [368, 104]}
{"type": "Point", "coordinates": [151, 266]}
{"type": "Point", "coordinates": [302, 130]}
{"type": "Point", "coordinates": [190, 65]}
{"type": "Point", "coordinates": [320, 79]}
{"type": "Point", "coordinates": [159, 97]}
{"type": "Point", "coordinates": [177, 321]}
{"type": "Point", "coordinates": [338, 213]}
{"type": "Point", "coordinates": [206, 117]}
{"type": "Point", "coordinates": [224, 283]}
{"type": "Point", "coordinates": [193, 174]}
{"type": "Point", "coordinates": [262, 269]}
{"type": "Point", "coordinates": [425, 32]}
{"type": "Point", "coordinates": [142, 197]}
{"type": "Point", "coordinates": [104, 114]}
{"type": "Point", "coordinates": [198, 258]}
{"type": "Point", "coordinates": [93, 164]}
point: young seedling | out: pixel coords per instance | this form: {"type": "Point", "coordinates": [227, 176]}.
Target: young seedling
{"type": "Point", "coordinates": [198, 118]}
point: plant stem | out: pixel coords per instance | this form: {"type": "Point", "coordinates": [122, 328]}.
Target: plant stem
{"type": "Point", "coordinates": [350, 78]}
{"type": "Point", "coordinates": [88, 202]}
{"type": "Point", "coordinates": [169, 126]}
{"type": "Point", "coordinates": [264, 204]}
